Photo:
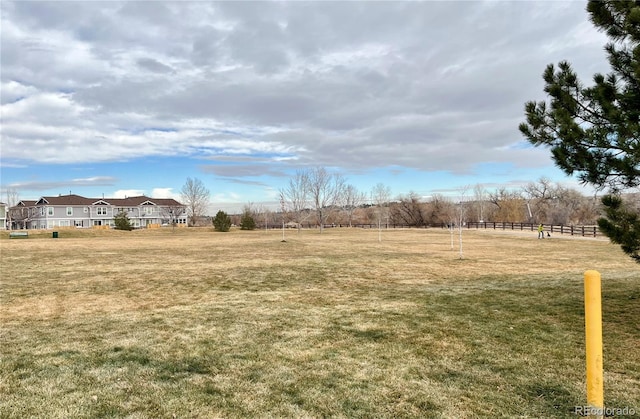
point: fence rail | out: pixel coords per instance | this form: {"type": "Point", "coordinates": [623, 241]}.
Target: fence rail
{"type": "Point", "coordinates": [583, 231]}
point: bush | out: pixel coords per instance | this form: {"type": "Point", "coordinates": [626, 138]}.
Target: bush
{"type": "Point", "coordinates": [222, 222]}
{"type": "Point", "coordinates": [122, 222]}
{"type": "Point", "coordinates": [247, 222]}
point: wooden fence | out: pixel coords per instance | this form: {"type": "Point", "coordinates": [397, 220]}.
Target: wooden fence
{"type": "Point", "coordinates": [583, 231]}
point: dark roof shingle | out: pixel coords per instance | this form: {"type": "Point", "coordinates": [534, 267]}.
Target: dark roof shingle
{"type": "Point", "coordinates": [75, 200]}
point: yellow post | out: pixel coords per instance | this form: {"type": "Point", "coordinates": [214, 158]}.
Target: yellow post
{"type": "Point", "coordinates": [593, 329]}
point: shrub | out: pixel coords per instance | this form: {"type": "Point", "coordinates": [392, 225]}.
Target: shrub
{"type": "Point", "coordinates": [247, 222]}
{"type": "Point", "coordinates": [122, 222]}
{"type": "Point", "coordinates": [221, 221]}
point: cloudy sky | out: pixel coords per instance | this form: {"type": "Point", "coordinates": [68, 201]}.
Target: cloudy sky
{"type": "Point", "coordinates": [126, 98]}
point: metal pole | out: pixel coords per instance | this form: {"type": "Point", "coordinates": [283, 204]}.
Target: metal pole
{"type": "Point", "coordinates": [593, 334]}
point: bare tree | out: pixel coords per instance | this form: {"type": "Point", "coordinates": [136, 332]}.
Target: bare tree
{"type": "Point", "coordinates": [283, 213]}
{"type": "Point", "coordinates": [509, 205]}
{"type": "Point", "coordinates": [172, 214]}
{"type": "Point", "coordinates": [587, 211]}
{"type": "Point", "coordinates": [452, 213]}
{"type": "Point", "coordinates": [461, 215]}
{"type": "Point", "coordinates": [13, 198]}
{"type": "Point", "coordinates": [263, 214]}
{"type": "Point", "coordinates": [539, 196]}
{"type": "Point", "coordinates": [380, 197]}
{"type": "Point", "coordinates": [295, 196]}
{"type": "Point", "coordinates": [556, 204]}
{"type": "Point", "coordinates": [480, 197]}
{"type": "Point", "coordinates": [409, 210]}
{"type": "Point", "coordinates": [439, 210]}
{"type": "Point", "coordinates": [325, 191]}
{"type": "Point", "coordinates": [352, 199]}
{"type": "Point", "coordinates": [196, 197]}
{"type": "Point", "coordinates": [370, 214]}
{"type": "Point", "coordinates": [442, 211]}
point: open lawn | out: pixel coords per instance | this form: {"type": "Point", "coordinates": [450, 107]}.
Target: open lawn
{"type": "Point", "coordinates": [197, 324]}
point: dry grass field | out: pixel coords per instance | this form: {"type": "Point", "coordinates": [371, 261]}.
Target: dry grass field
{"type": "Point", "coordinates": [197, 324]}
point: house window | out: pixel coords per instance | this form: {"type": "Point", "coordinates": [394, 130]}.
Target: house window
{"type": "Point", "coordinates": [97, 222]}
{"type": "Point", "coordinates": [148, 210]}
{"type": "Point", "coordinates": [69, 210]}
{"type": "Point", "coordinates": [49, 210]}
{"type": "Point", "coordinates": [101, 211]}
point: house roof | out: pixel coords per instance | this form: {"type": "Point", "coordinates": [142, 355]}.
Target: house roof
{"type": "Point", "coordinates": [75, 200]}
{"type": "Point", "coordinates": [65, 200]}
{"type": "Point", "coordinates": [134, 201]}
{"type": "Point", "coordinates": [26, 203]}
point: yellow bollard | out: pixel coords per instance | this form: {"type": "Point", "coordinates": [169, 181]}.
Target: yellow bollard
{"type": "Point", "coordinates": [593, 331]}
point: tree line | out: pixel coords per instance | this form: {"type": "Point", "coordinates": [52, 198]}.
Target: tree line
{"type": "Point", "coordinates": [318, 197]}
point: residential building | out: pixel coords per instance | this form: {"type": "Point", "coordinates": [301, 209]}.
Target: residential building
{"type": "Point", "coordinates": [19, 215]}
{"type": "Point", "coordinates": [3, 216]}
{"type": "Point", "coordinates": [77, 211]}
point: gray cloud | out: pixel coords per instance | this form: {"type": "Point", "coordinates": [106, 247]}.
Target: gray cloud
{"type": "Point", "coordinates": [356, 85]}
{"type": "Point", "coordinates": [41, 185]}
{"type": "Point", "coordinates": [241, 170]}
{"type": "Point", "coordinates": [154, 66]}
